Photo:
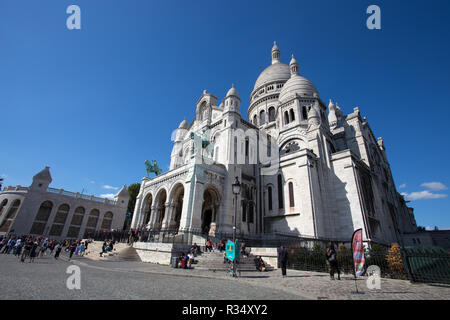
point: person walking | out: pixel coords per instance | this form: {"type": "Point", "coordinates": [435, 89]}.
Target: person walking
{"type": "Point", "coordinates": [33, 250]}
{"type": "Point", "coordinates": [26, 249]}
{"type": "Point", "coordinates": [82, 248]}
{"type": "Point", "coordinates": [58, 250]}
{"type": "Point", "coordinates": [283, 255]}
{"type": "Point", "coordinates": [72, 249]}
{"type": "Point", "coordinates": [331, 257]}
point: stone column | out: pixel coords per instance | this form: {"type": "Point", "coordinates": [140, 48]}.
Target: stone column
{"type": "Point", "coordinates": [137, 213]}
{"type": "Point", "coordinates": [153, 216]}
{"type": "Point", "coordinates": [168, 217]}
{"type": "Point", "coordinates": [49, 223]}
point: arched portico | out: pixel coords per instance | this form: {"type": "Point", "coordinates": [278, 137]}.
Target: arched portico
{"type": "Point", "coordinates": [173, 216]}
{"type": "Point", "coordinates": [158, 211]}
{"type": "Point", "coordinates": [147, 209]}
{"type": "Point", "coordinates": [210, 209]}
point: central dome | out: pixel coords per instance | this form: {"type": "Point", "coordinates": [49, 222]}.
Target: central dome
{"type": "Point", "coordinates": [275, 72]}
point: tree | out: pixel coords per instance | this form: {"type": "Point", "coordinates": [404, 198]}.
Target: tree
{"type": "Point", "coordinates": [395, 262]}
{"type": "Point", "coordinates": [133, 191]}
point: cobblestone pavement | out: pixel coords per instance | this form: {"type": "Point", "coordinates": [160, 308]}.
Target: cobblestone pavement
{"type": "Point", "coordinates": [312, 285]}
{"type": "Point", "coordinates": [136, 280]}
{"type": "Point", "coordinates": [46, 279]}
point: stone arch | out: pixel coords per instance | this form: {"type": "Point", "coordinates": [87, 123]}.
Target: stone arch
{"type": "Point", "coordinates": [290, 146]}
{"type": "Point", "coordinates": [59, 220]}
{"type": "Point", "coordinates": [107, 221]}
{"type": "Point", "coordinates": [3, 205]}
{"type": "Point", "coordinates": [75, 223]}
{"type": "Point", "coordinates": [147, 208]}
{"type": "Point", "coordinates": [286, 118]}
{"type": "Point", "coordinates": [271, 114]}
{"type": "Point", "coordinates": [262, 117]}
{"type": "Point", "coordinates": [159, 208]}
{"type": "Point", "coordinates": [41, 219]}
{"type": "Point", "coordinates": [202, 110]}
{"type": "Point", "coordinates": [291, 115]}
{"type": "Point", "coordinates": [210, 208]}
{"type": "Point", "coordinates": [176, 205]}
{"type": "Point", "coordinates": [91, 224]}
{"type": "Point", "coordinates": [303, 142]}
{"type": "Point", "coordinates": [10, 216]}
{"type": "Point", "coordinates": [270, 192]}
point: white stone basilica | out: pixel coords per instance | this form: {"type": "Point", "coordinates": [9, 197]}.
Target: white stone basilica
{"type": "Point", "coordinates": [304, 171]}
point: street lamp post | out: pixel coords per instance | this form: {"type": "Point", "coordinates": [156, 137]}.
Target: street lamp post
{"type": "Point", "coordinates": [236, 190]}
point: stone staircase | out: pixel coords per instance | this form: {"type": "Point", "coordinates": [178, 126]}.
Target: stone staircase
{"type": "Point", "coordinates": [213, 261]}
{"type": "Point", "coordinates": [121, 252]}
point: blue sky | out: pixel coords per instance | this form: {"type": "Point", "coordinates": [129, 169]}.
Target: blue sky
{"type": "Point", "coordinates": [95, 103]}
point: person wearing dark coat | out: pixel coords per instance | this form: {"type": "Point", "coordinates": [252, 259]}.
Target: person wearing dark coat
{"type": "Point", "coordinates": [33, 252]}
{"type": "Point", "coordinates": [331, 257]}
{"type": "Point", "coordinates": [73, 247]}
{"type": "Point", "coordinates": [283, 255]}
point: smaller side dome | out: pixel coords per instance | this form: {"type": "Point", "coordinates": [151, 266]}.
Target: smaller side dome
{"type": "Point", "coordinates": [183, 124]}
{"type": "Point", "coordinates": [232, 92]}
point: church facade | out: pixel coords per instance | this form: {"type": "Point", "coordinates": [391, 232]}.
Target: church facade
{"type": "Point", "coordinates": [306, 169]}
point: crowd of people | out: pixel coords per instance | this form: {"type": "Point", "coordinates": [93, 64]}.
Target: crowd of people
{"type": "Point", "coordinates": [29, 247]}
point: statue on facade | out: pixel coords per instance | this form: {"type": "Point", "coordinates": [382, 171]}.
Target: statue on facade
{"type": "Point", "coordinates": [152, 167]}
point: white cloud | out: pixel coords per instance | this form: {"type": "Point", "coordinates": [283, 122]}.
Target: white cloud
{"type": "Point", "coordinates": [402, 186]}
{"type": "Point", "coordinates": [423, 195]}
{"type": "Point", "coordinates": [92, 181]}
{"type": "Point", "coordinates": [107, 195]}
{"type": "Point", "coordinates": [434, 186]}
{"type": "Point", "coordinates": [110, 187]}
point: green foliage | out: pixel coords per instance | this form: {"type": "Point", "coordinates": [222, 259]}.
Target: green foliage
{"type": "Point", "coordinates": [395, 262]}
{"type": "Point", "coordinates": [345, 259]}
{"type": "Point", "coordinates": [133, 191]}
{"type": "Point", "coordinates": [302, 258]}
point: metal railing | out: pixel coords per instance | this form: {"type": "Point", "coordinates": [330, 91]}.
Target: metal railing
{"type": "Point", "coordinates": [417, 264]}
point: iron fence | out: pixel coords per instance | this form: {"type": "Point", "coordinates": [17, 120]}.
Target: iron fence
{"type": "Point", "coordinates": [417, 264]}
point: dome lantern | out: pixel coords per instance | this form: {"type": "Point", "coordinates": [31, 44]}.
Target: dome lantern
{"type": "Point", "coordinates": [275, 53]}
{"type": "Point", "coordinates": [293, 66]}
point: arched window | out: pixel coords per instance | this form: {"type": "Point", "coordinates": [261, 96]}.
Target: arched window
{"type": "Point", "coordinates": [235, 150]}
{"type": "Point", "coordinates": [59, 220]}
{"type": "Point", "coordinates": [107, 221]}
{"type": "Point", "coordinates": [75, 224]}
{"type": "Point", "coordinates": [3, 205]}
{"type": "Point", "coordinates": [286, 117]}
{"type": "Point", "coordinates": [250, 212]}
{"type": "Point", "coordinates": [291, 195]}
{"type": "Point", "coordinates": [292, 115]}
{"type": "Point", "coordinates": [271, 114]}
{"type": "Point", "coordinates": [280, 192]}
{"type": "Point", "coordinates": [304, 113]}
{"type": "Point", "coordinates": [262, 117]}
{"type": "Point", "coordinates": [255, 120]}
{"type": "Point", "coordinates": [269, 146]}
{"type": "Point", "coordinates": [10, 215]}
{"type": "Point", "coordinates": [246, 146]}
{"type": "Point", "coordinates": [41, 218]}
{"type": "Point", "coordinates": [92, 221]}
{"type": "Point", "coordinates": [269, 196]}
